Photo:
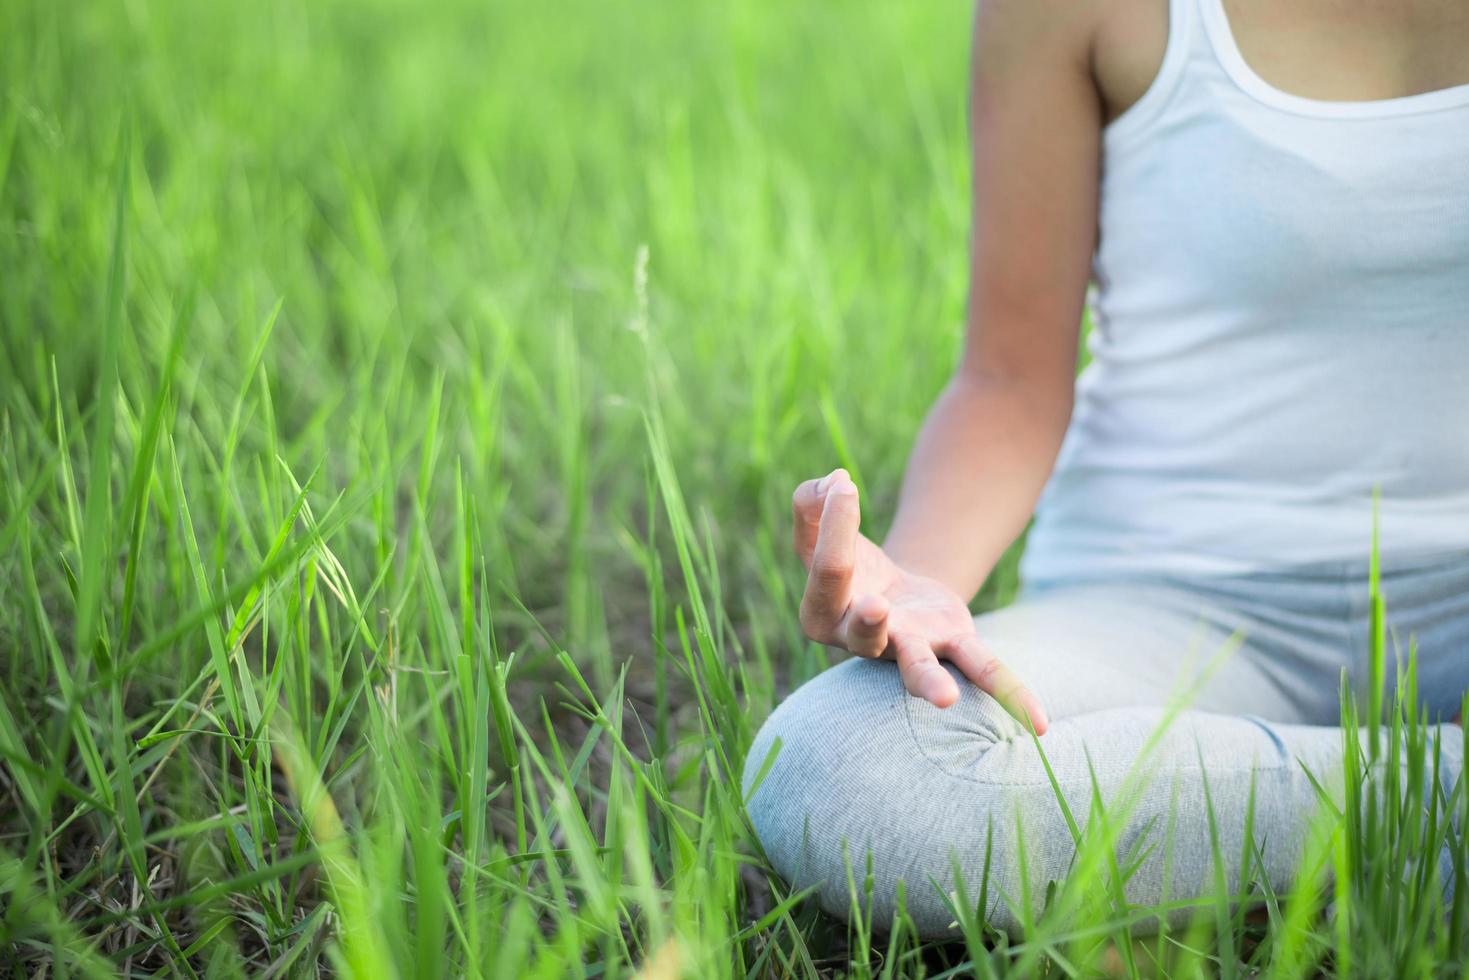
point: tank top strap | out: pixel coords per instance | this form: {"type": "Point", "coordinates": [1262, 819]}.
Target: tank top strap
{"type": "Point", "coordinates": [1215, 39]}
{"type": "Point", "coordinates": [1217, 47]}
{"type": "Point", "coordinates": [1187, 44]}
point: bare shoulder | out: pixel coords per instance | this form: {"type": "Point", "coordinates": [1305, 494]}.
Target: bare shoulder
{"type": "Point", "coordinates": [1117, 45]}
{"type": "Point", "coordinates": [1011, 33]}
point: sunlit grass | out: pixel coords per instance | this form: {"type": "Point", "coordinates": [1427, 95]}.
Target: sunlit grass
{"type": "Point", "coordinates": [399, 405]}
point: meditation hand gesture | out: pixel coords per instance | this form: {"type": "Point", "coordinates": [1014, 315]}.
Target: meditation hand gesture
{"type": "Point", "coordinates": [859, 600]}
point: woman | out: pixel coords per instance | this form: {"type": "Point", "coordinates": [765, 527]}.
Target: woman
{"type": "Point", "coordinates": [1273, 202]}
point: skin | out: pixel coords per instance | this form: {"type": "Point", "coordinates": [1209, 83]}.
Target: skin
{"type": "Point", "coordinates": [990, 441]}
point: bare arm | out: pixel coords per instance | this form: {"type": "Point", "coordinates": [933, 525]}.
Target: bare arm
{"type": "Point", "coordinates": [991, 439]}
{"type": "Point", "coordinates": [989, 442]}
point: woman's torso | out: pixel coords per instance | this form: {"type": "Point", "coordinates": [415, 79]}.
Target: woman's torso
{"type": "Point", "coordinates": [1281, 318]}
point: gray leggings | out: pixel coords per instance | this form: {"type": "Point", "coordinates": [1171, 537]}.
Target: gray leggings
{"type": "Point", "coordinates": [865, 769]}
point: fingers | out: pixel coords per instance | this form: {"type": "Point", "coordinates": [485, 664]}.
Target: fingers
{"type": "Point", "coordinates": [806, 504]}
{"type": "Point", "coordinates": [829, 582]}
{"type": "Point", "coordinates": [867, 626]}
{"type": "Point", "coordinates": [922, 674]}
{"type": "Point", "coordinates": [982, 667]}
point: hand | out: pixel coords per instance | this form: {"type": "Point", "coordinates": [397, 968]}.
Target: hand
{"type": "Point", "coordinates": [859, 600]}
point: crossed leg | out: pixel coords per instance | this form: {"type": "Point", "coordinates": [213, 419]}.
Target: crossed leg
{"type": "Point", "coordinates": [865, 769]}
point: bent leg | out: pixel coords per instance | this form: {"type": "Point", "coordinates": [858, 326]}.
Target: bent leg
{"type": "Point", "coordinates": [864, 769]}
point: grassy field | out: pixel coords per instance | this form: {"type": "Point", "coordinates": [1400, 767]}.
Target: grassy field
{"type": "Point", "coordinates": [399, 407]}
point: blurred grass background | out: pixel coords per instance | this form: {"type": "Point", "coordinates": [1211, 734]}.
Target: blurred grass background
{"type": "Point", "coordinates": [436, 263]}
{"type": "Point", "coordinates": [448, 201]}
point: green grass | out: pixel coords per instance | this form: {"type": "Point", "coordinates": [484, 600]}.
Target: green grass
{"type": "Point", "coordinates": [399, 405]}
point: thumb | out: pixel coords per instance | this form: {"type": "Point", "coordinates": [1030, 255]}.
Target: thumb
{"type": "Point", "coordinates": [841, 519]}
{"type": "Point", "coordinates": [807, 504]}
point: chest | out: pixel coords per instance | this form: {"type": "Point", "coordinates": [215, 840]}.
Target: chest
{"type": "Point", "coordinates": [1333, 50]}
{"type": "Point", "coordinates": [1354, 50]}
{"type": "Point", "coordinates": [1281, 213]}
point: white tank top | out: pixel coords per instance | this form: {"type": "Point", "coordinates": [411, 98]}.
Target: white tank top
{"type": "Point", "coordinates": [1280, 325]}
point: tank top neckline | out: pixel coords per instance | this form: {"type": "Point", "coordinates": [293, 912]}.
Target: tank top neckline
{"type": "Point", "coordinates": [1226, 49]}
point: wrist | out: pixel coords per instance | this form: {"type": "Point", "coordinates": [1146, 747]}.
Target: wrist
{"type": "Point", "coordinates": [937, 564]}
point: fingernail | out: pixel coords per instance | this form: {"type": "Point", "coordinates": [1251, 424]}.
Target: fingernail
{"type": "Point", "coordinates": [834, 478]}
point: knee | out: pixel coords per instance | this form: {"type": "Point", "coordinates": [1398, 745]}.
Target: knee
{"type": "Point", "coordinates": [825, 761]}
{"type": "Point", "coordinates": [822, 777]}
{"type": "Point", "coordinates": [857, 721]}
{"type": "Point", "coordinates": [854, 774]}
